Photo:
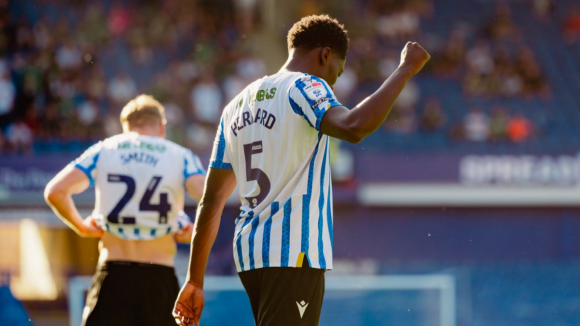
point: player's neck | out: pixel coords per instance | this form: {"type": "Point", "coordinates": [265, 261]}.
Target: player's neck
{"type": "Point", "coordinates": [145, 132]}
{"type": "Point", "coordinates": [299, 63]}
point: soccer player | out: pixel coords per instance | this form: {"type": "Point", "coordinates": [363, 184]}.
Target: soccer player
{"type": "Point", "coordinates": [272, 142]}
{"type": "Point", "coordinates": [139, 179]}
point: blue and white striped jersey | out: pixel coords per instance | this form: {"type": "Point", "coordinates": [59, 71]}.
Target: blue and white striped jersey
{"type": "Point", "coordinates": [270, 136]}
{"type": "Point", "coordinates": [139, 184]}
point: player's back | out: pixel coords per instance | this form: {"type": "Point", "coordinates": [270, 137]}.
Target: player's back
{"type": "Point", "coordinates": [270, 136]}
{"type": "Point", "coordinates": [139, 183]}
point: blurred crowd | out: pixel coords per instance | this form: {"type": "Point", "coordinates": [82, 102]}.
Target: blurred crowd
{"type": "Point", "coordinates": [489, 60]}
{"type": "Point", "coordinates": [65, 75]}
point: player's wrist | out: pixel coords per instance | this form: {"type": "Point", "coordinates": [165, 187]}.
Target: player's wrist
{"type": "Point", "coordinates": [407, 69]}
{"type": "Point", "coordinates": [195, 282]}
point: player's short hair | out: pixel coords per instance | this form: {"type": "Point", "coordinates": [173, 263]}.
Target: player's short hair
{"type": "Point", "coordinates": [141, 111]}
{"type": "Point", "coordinates": [319, 30]}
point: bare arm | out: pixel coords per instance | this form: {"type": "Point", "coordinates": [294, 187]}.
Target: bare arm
{"type": "Point", "coordinates": [58, 194]}
{"type": "Point", "coordinates": [220, 184]}
{"type": "Point", "coordinates": [356, 124]}
{"type": "Point", "coordinates": [194, 186]}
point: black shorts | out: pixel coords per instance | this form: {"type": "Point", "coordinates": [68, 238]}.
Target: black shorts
{"type": "Point", "coordinates": [285, 296]}
{"type": "Point", "coordinates": [131, 294]}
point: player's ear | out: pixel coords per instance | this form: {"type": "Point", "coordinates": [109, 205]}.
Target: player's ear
{"type": "Point", "coordinates": [325, 55]}
{"type": "Point", "coordinates": [162, 129]}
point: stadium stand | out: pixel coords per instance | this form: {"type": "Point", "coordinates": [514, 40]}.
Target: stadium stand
{"type": "Point", "coordinates": [73, 66]}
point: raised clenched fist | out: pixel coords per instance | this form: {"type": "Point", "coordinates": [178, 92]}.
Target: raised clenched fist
{"type": "Point", "coordinates": [414, 57]}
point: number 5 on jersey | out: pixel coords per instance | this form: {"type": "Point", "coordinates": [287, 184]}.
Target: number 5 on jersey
{"type": "Point", "coordinates": [256, 174]}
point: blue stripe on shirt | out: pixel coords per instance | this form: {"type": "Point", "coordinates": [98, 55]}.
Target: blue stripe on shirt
{"type": "Point", "coordinates": [255, 224]}
{"type": "Point", "coordinates": [298, 110]}
{"type": "Point", "coordinates": [329, 216]}
{"type": "Point", "coordinates": [321, 258]}
{"type": "Point", "coordinates": [89, 170]}
{"type": "Point", "coordinates": [274, 208]}
{"type": "Point", "coordinates": [219, 163]}
{"type": "Point", "coordinates": [305, 243]}
{"type": "Point", "coordinates": [285, 252]}
{"type": "Point", "coordinates": [186, 173]}
{"type": "Point", "coordinates": [239, 239]}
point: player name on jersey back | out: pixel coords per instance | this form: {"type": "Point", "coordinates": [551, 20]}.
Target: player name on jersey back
{"type": "Point", "coordinates": [270, 136]}
{"type": "Point", "coordinates": [139, 184]}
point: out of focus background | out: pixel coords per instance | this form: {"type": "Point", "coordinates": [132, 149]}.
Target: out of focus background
{"type": "Point", "coordinates": [461, 210]}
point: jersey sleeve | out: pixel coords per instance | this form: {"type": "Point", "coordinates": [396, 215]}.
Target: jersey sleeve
{"type": "Point", "coordinates": [311, 97]}
{"type": "Point", "coordinates": [192, 165]}
{"type": "Point", "coordinates": [87, 162]}
{"type": "Point", "coordinates": [219, 156]}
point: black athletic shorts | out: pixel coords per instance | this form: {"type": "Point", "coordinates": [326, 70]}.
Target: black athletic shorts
{"type": "Point", "coordinates": [131, 294]}
{"type": "Point", "coordinates": [285, 296]}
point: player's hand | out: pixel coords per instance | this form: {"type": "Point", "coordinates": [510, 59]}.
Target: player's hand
{"type": "Point", "coordinates": [184, 235]}
{"type": "Point", "coordinates": [414, 57]}
{"type": "Point", "coordinates": [90, 229]}
{"type": "Point", "coordinates": [189, 305]}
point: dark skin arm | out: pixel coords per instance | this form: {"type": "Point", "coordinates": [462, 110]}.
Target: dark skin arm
{"type": "Point", "coordinates": [219, 186]}
{"type": "Point", "coordinates": [364, 119]}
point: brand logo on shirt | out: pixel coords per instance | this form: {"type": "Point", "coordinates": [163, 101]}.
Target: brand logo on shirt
{"type": "Point", "coordinates": [316, 84]}
{"type": "Point", "coordinates": [301, 307]}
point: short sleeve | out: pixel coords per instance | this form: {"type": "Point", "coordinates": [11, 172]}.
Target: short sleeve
{"type": "Point", "coordinates": [219, 158]}
{"type": "Point", "coordinates": [311, 97]}
{"type": "Point", "coordinates": [87, 162]}
{"type": "Point", "coordinates": [192, 165]}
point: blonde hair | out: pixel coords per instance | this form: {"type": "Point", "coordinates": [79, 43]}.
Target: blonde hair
{"type": "Point", "coordinates": [141, 111]}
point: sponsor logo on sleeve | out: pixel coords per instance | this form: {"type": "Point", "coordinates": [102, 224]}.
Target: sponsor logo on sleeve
{"type": "Point", "coordinates": [321, 102]}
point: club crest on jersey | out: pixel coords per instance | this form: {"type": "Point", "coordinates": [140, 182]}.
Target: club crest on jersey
{"type": "Point", "coordinates": [315, 92]}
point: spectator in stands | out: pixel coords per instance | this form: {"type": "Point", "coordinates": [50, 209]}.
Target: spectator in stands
{"type": "Point", "coordinates": [251, 67]}
{"type": "Point", "coordinates": [206, 100]}
{"type": "Point", "coordinates": [96, 85]}
{"type": "Point", "coordinates": [479, 59]}
{"type": "Point", "coordinates": [530, 71]}
{"type": "Point", "coordinates": [450, 59]}
{"type": "Point", "coordinates": [501, 25]}
{"type": "Point", "coordinates": [7, 93]}
{"type": "Point", "coordinates": [122, 88]}
{"type": "Point", "coordinates": [346, 85]}
{"type": "Point", "coordinates": [519, 128]}
{"type": "Point", "coordinates": [118, 19]}
{"type": "Point", "coordinates": [68, 56]}
{"type": "Point", "coordinates": [498, 124]}
{"type": "Point", "coordinates": [232, 86]}
{"type": "Point", "coordinates": [572, 24]}
{"type": "Point", "coordinates": [402, 24]}
{"type": "Point", "coordinates": [388, 64]}
{"type": "Point", "coordinates": [433, 117]}
{"type": "Point", "coordinates": [543, 9]}
{"type": "Point", "coordinates": [402, 120]}
{"type": "Point", "coordinates": [476, 126]}
{"type": "Point", "coordinates": [19, 136]}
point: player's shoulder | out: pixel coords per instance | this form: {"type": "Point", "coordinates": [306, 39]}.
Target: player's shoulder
{"type": "Point", "coordinates": [307, 82]}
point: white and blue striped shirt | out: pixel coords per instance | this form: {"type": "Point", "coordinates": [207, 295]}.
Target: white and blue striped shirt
{"type": "Point", "coordinates": [139, 184]}
{"type": "Point", "coordinates": [270, 136]}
